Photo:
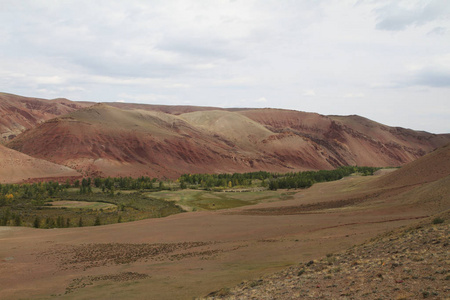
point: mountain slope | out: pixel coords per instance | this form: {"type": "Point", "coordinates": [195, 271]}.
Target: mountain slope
{"type": "Point", "coordinates": [432, 167]}
{"type": "Point", "coordinates": [107, 141]}
{"type": "Point", "coordinates": [17, 167]}
{"type": "Point", "coordinates": [21, 113]}
{"type": "Point", "coordinates": [103, 140]}
{"type": "Point", "coordinates": [353, 140]}
{"type": "Point", "coordinates": [166, 141]}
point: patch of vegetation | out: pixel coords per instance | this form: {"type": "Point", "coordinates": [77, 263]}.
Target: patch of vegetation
{"type": "Point", "coordinates": [125, 199]}
{"type": "Point", "coordinates": [19, 209]}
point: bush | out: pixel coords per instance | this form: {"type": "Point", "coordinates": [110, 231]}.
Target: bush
{"type": "Point", "coordinates": [438, 220]}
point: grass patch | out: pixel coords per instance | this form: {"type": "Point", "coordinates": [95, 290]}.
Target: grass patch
{"type": "Point", "coordinates": [196, 200]}
{"type": "Point", "coordinates": [77, 210]}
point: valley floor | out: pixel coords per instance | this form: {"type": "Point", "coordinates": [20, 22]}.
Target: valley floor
{"type": "Point", "coordinates": [191, 254]}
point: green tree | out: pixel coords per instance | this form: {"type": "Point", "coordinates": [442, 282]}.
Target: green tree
{"type": "Point", "coordinates": [17, 220]}
{"type": "Point", "coordinates": [37, 222]}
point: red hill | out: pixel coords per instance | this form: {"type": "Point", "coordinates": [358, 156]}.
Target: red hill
{"type": "Point", "coordinates": [107, 141]}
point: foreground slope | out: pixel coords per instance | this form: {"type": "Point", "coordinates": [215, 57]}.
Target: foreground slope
{"type": "Point", "coordinates": [18, 167]}
{"type": "Point", "coordinates": [21, 113]}
{"type": "Point", "coordinates": [409, 263]}
{"type": "Point", "coordinates": [191, 254]}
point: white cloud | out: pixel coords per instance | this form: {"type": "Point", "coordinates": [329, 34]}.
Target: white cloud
{"type": "Point", "coordinates": [177, 86]}
{"type": "Point", "coordinates": [397, 15]}
{"type": "Point", "coordinates": [354, 95]}
{"type": "Point", "coordinates": [49, 80]}
{"type": "Point", "coordinates": [309, 93]}
{"type": "Point", "coordinates": [147, 98]}
{"type": "Point", "coordinates": [261, 100]}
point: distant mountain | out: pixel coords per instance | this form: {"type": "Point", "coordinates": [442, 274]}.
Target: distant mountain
{"type": "Point", "coordinates": [352, 140]}
{"type": "Point", "coordinates": [166, 141]}
{"type": "Point", "coordinates": [21, 113]}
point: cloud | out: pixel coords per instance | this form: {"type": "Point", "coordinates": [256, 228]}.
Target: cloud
{"type": "Point", "coordinates": [433, 72]}
{"type": "Point", "coordinates": [235, 82]}
{"type": "Point", "coordinates": [177, 86]}
{"type": "Point", "coordinates": [148, 98]}
{"type": "Point", "coordinates": [397, 15]}
{"type": "Point", "coordinates": [309, 93]}
{"type": "Point", "coordinates": [354, 95]}
{"type": "Point", "coordinates": [261, 100]}
{"type": "Point", "coordinates": [433, 77]}
{"type": "Point", "coordinates": [438, 31]}
{"type": "Point", "coordinates": [49, 80]}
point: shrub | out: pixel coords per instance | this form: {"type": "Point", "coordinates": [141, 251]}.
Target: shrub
{"type": "Point", "coordinates": [438, 220]}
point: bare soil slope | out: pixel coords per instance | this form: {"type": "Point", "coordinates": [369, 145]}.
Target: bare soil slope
{"type": "Point", "coordinates": [21, 113]}
{"type": "Point", "coordinates": [166, 141]}
{"type": "Point", "coordinates": [352, 140]}
{"type": "Point", "coordinates": [17, 167]}
{"type": "Point", "coordinates": [106, 141]}
{"type": "Point", "coordinates": [431, 167]}
{"type": "Point", "coordinates": [168, 109]}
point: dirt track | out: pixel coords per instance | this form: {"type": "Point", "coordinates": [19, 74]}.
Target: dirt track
{"type": "Point", "coordinates": [192, 254]}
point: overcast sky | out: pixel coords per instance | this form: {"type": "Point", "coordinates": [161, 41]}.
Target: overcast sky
{"type": "Point", "coordinates": [385, 60]}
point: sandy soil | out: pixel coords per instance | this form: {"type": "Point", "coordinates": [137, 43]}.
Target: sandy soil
{"type": "Point", "coordinates": [192, 254]}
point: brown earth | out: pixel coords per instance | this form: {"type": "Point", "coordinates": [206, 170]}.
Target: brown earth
{"type": "Point", "coordinates": [167, 141]}
{"type": "Point", "coordinates": [17, 167]}
{"type": "Point", "coordinates": [192, 254]}
{"type": "Point", "coordinates": [431, 167]}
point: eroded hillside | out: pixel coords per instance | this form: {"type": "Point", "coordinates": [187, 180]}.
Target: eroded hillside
{"type": "Point", "coordinates": [167, 141]}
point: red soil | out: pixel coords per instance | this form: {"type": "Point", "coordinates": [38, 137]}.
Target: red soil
{"type": "Point", "coordinates": [166, 141]}
{"type": "Point", "coordinates": [22, 113]}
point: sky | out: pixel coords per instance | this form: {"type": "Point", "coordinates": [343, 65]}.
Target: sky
{"type": "Point", "coordinates": [388, 61]}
